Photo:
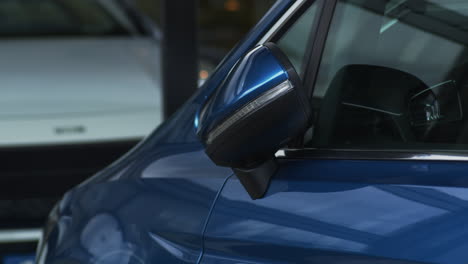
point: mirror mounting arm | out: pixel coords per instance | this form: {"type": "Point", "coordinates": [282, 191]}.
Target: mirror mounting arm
{"type": "Point", "coordinates": [256, 180]}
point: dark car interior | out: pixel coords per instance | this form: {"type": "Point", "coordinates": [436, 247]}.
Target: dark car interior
{"type": "Point", "coordinates": [401, 82]}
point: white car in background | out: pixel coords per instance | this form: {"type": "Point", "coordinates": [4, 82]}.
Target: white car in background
{"type": "Point", "coordinates": [75, 71]}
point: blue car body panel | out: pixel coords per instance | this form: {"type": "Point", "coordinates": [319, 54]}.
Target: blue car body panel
{"type": "Point", "coordinates": [260, 72]}
{"type": "Point", "coordinates": [18, 259]}
{"type": "Point", "coordinates": [345, 211]}
{"type": "Point", "coordinates": [166, 202]}
{"type": "Point", "coordinates": [155, 210]}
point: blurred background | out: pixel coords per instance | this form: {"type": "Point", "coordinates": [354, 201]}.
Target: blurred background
{"type": "Point", "coordinates": [222, 23]}
{"type": "Point", "coordinates": [80, 85]}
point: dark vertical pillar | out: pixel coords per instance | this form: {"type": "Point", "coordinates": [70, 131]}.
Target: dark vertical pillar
{"type": "Point", "coordinates": [179, 52]}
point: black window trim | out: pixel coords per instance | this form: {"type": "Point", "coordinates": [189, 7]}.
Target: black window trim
{"type": "Point", "coordinates": [325, 12]}
{"type": "Point", "coordinates": [313, 36]}
{"type": "Point", "coordinates": [314, 54]}
{"type": "Point", "coordinates": [286, 21]}
{"type": "Point", "coordinates": [293, 18]}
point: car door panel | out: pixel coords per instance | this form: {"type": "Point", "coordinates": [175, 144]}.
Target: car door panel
{"type": "Point", "coordinates": [345, 211]}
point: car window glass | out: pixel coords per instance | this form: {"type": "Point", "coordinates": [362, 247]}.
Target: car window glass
{"type": "Point", "coordinates": [294, 41]}
{"type": "Point", "coordinates": [393, 76]}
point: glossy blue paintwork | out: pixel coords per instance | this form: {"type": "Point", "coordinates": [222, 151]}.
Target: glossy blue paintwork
{"type": "Point", "coordinates": [166, 202]}
{"type": "Point", "coordinates": [154, 211]}
{"type": "Point", "coordinates": [152, 205]}
{"type": "Point", "coordinates": [257, 72]}
{"type": "Point", "coordinates": [330, 211]}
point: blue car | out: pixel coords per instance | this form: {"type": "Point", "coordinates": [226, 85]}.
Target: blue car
{"type": "Point", "coordinates": [335, 132]}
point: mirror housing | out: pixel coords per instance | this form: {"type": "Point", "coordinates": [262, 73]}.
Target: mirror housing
{"type": "Point", "coordinates": [259, 108]}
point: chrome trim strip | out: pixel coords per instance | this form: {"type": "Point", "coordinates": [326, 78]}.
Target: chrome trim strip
{"type": "Point", "coordinates": [281, 21]}
{"type": "Point", "coordinates": [370, 155]}
{"type": "Point", "coordinates": [20, 235]}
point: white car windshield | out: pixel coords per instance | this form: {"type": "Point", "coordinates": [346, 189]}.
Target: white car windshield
{"type": "Point", "coordinates": [42, 18]}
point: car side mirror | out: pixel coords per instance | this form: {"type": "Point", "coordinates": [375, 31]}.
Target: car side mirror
{"type": "Point", "coordinates": [258, 109]}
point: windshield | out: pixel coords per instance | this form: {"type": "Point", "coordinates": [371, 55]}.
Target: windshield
{"type": "Point", "coordinates": [41, 18]}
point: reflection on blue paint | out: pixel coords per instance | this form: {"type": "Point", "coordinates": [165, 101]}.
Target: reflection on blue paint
{"type": "Point", "coordinates": [333, 211]}
{"type": "Point", "coordinates": [19, 259]}
{"type": "Point", "coordinates": [256, 73]}
{"type": "Point", "coordinates": [195, 120]}
{"type": "Point", "coordinates": [261, 84]}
